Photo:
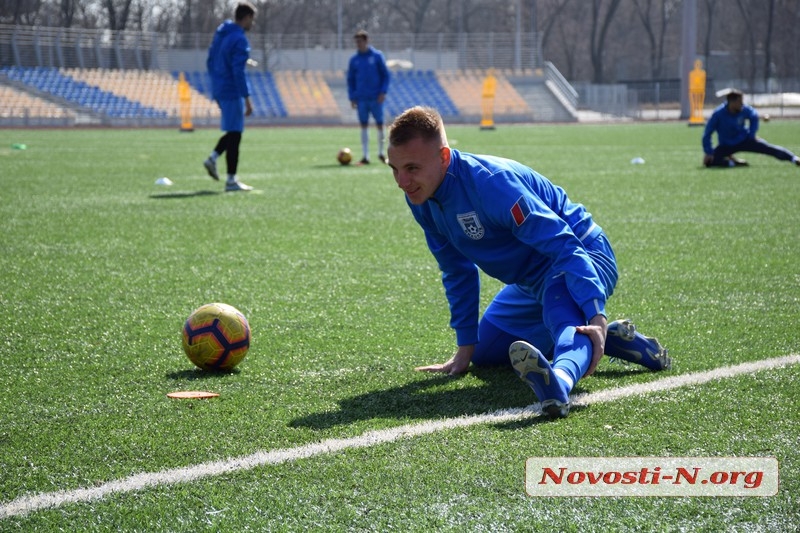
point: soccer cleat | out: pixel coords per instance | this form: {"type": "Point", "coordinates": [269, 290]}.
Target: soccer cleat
{"type": "Point", "coordinates": [211, 168]}
{"type": "Point", "coordinates": [232, 186]}
{"type": "Point", "coordinates": [364, 161]}
{"type": "Point", "coordinates": [739, 162]}
{"type": "Point", "coordinates": [532, 367]}
{"type": "Point", "coordinates": [382, 158]}
{"type": "Point", "coordinates": [624, 342]}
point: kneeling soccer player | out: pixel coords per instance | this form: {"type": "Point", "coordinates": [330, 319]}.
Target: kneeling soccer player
{"type": "Point", "coordinates": [498, 215]}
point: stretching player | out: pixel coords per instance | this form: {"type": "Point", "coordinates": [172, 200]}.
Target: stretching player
{"type": "Point", "coordinates": [511, 222]}
{"type": "Point", "coordinates": [736, 125]}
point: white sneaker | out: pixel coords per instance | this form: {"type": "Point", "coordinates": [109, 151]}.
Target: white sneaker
{"type": "Point", "coordinates": [232, 186]}
{"type": "Point", "coordinates": [211, 168]}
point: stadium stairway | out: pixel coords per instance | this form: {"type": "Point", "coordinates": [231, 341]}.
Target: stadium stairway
{"type": "Point", "coordinates": [545, 106]}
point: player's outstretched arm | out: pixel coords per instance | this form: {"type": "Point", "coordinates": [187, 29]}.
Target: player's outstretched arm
{"type": "Point", "coordinates": [457, 364]}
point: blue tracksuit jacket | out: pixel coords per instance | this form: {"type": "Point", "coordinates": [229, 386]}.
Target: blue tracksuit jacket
{"type": "Point", "coordinates": [367, 75]}
{"type": "Point", "coordinates": [227, 57]}
{"type": "Point", "coordinates": [731, 129]}
{"type": "Point", "coordinates": [514, 224]}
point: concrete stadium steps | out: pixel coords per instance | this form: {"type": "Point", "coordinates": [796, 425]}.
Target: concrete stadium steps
{"type": "Point", "coordinates": [545, 106]}
{"type": "Point", "coordinates": [307, 94]}
{"type": "Point", "coordinates": [465, 88]}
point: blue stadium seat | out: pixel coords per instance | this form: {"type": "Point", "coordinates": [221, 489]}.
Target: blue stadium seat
{"type": "Point", "coordinates": [418, 87]}
{"type": "Point", "coordinates": [264, 93]}
{"type": "Point", "coordinates": [52, 81]}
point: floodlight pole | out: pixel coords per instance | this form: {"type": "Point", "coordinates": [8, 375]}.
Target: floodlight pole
{"type": "Point", "coordinates": [688, 53]}
{"type": "Point", "coordinates": [339, 24]}
{"type": "Point", "coordinates": [518, 38]}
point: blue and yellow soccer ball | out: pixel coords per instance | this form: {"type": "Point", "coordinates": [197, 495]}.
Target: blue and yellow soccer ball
{"type": "Point", "coordinates": [216, 337]}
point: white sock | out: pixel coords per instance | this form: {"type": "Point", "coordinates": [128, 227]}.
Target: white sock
{"type": "Point", "coordinates": [213, 157]}
{"type": "Point", "coordinates": [380, 141]}
{"type": "Point", "coordinates": [231, 178]}
{"type": "Point", "coordinates": [564, 378]}
{"type": "Point", "coordinates": [365, 142]}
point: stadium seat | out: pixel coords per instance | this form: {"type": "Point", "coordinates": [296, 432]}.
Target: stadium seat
{"type": "Point", "coordinates": [420, 87]}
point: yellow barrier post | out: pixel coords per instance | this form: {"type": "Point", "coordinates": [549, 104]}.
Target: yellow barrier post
{"type": "Point", "coordinates": [185, 99]}
{"type": "Point", "coordinates": [697, 93]}
{"type": "Point", "coordinates": [487, 101]}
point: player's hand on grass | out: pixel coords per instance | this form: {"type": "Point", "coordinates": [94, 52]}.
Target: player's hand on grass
{"type": "Point", "coordinates": [457, 364]}
{"type": "Point", "coordinates": [596, 331]}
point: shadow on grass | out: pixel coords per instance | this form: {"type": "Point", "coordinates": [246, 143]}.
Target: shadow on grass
{"type": "Point", "coordinates": [183, 194]}
{"type": "Point", "coordinates": [196, 374]}
{"type": "Point", "coordinates": [430, 398]}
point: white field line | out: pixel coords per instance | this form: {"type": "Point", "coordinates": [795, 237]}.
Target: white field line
{"type": "Point", "coordinates": [26, 504]}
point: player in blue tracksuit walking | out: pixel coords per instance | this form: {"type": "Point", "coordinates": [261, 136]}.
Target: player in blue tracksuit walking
{"type": "Point", "coordinates": [367, 85]}
{"type": "Point", "coordinates": [227, 59]}
{"type": "Point", "coordinates": [511, 222]}
{"type": "Point", "coordinates": [736, 125]}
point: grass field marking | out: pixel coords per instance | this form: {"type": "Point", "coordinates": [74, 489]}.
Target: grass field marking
{"type": "Point", "coordinates": [27, 504]}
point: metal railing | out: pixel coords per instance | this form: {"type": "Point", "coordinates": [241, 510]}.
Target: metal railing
{"type": "Point", "coordinates": [83, 48]}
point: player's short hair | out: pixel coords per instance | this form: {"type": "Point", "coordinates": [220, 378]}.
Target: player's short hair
{"type": "Point", "coordinates": [244, 9]}
{"type": "Point", "coordinates": [361, 34]}
{"type": "Point", "coordinates": [423, 122]}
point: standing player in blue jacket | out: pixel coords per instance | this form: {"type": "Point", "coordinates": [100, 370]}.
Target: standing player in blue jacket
{"type": "Point", "coordinates": [227, 59]}
{"type": "Point", "coordinates": [367, 84]}
{"type": "Point", "coordinates": [511, 222]}
{"type": "Point", "coordinates": [736, 125]}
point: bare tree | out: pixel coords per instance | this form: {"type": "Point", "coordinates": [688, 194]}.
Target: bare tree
{"type": "Point", "coordinates": [570, 36]}
{"type": "Point", "coordinates": [768, 44]}
{"type": "Point", "coordinates": [748, 34]}
{"type": "Point", "coordinates": [412, 12]}
{"type": "Point", "coordinates": [66, 12]}
{"type": "Point", "coordinates": [710, 12]}
{"type": "Point", "coordinates": [20, 12]}
{"type": "Point", "coordinates": [552, 16]}
{"type": "Point", "coordinates": [599, 31]}
{"type": "Point", "coordinates": [656, 29]}
{"type": "Point", "coordinates": [118, 13]}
